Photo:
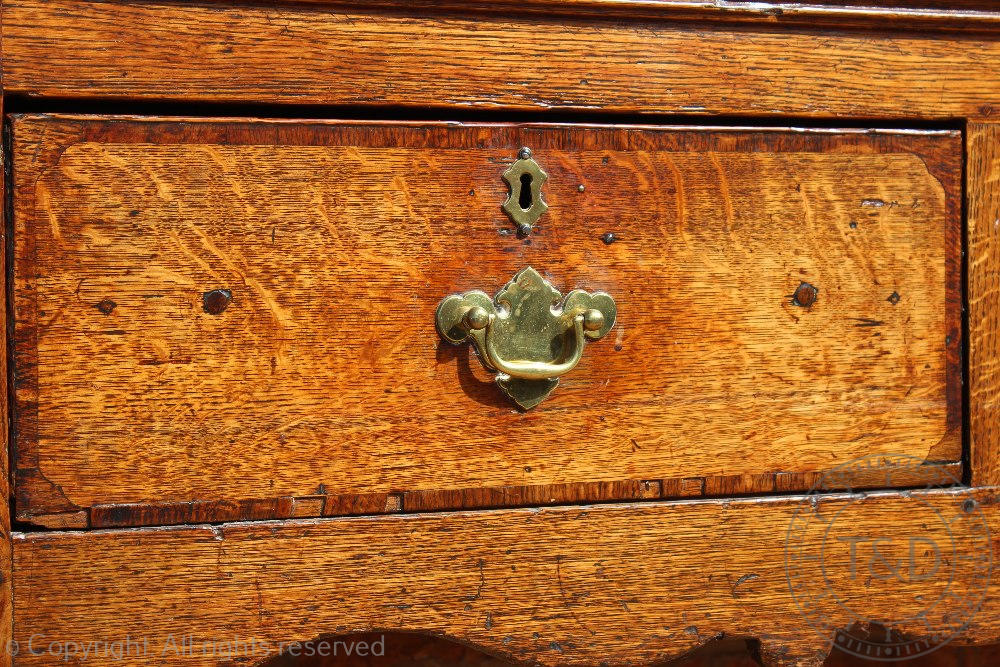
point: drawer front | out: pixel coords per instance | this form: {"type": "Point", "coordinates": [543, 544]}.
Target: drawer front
{"type": "Point", "coordinates": [214, 311]}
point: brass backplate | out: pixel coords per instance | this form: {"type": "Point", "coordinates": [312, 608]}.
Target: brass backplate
{"type": "Point", "coordinates": [528, 333]}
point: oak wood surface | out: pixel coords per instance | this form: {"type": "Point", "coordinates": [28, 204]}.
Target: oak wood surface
{"type": "Point", "coordinates": [312, 55]}
{"type": "Point", "coordinates": [966, 15]}
{"type": "Point", "coordinates": [984, 300]}
{"type": "Point", "coordinates": [325, 376]}
{"type": "Point", "coordinates": [611, 584]}
{"type": "Point", "coordinates": [332, 504]}
{"type": "Point", "coordinates": [6, 578]}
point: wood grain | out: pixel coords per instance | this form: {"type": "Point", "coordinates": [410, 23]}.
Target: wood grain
{"type": "Point", "coordinates": [539, 495]}
{"type": "Point", "coordinates": [325, 375]}
{"type": "Point", "coordinates": [966, 15]}
{"type": "Point", "coordinates": [306, 55]}
{"type": "Point", "coordinates": [6, 508]}
{"type": "Point", "coordinates": [568, 585]}
{"type": "Point", "coordinates": [983, 238]}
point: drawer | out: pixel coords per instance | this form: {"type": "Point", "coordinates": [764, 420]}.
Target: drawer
{"type": "Point", "coordinates": [220, 319]}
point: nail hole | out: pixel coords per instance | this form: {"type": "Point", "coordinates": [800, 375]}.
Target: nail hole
{"type": "Point", "coordinates": [216, 301]}
{"type": "Point", "coordinates": [805, 295]}
{"type": "Point", "coordinates": [524, 199]}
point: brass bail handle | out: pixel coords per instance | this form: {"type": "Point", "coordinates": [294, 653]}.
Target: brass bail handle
{"type": "Point", "coordinates": [527, 333]}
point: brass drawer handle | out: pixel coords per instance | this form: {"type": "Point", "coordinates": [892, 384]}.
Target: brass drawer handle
{"type": "Point", "coordinates": [527, 333]}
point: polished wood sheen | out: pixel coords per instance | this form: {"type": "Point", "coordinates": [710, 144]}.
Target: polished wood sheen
{"type": "Point", "coordinates": [6, 509]}
{"type": "Point", "coordinates": [213, 324]}
{"type": "Point", "coordinates": [349, 56]}
{"type": "Point", "coordinates": [967, 15]}
{"type": "Point", "coordinates": [984, 300]}
{"type": "Point", "coordinates": [213, 311]}
{"type": "Point", "coordinates": [627, 584]}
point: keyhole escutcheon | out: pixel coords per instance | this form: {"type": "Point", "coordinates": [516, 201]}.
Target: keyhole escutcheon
{"type": "Point", "coordinates": [524, 202]}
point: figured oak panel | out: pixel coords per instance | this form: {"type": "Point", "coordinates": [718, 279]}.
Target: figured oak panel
{"type": "Point", "coordinates": [625, 584]}
{"type": "Point", "coordinates": [310, 55]}
{"type": "Point", "coordinates": [325, 375]}
{"type": "Point", "coordinates": [984, 301]}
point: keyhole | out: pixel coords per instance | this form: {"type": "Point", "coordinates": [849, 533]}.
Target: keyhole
{"type": "Point", "coordinates": [524, 199]}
